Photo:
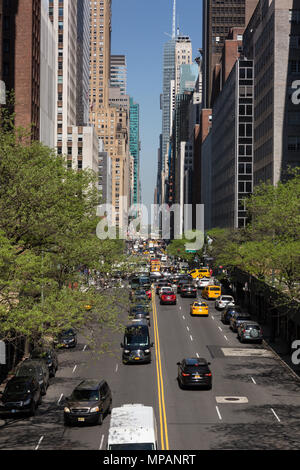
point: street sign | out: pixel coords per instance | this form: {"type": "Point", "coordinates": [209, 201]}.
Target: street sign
{"type": "Point", "coordinates": [2, 353]}
{"type": "Point", "coordinates": [191, 251]}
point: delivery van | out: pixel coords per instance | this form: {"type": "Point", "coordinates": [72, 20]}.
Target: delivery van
{"type": "Point", "coordinates": [132, 427]}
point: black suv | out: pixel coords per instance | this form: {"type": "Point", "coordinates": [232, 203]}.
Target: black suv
{"type": "Point", "coordinates": [49, 356]}
{"type": "Point", "coordinates": [37, 369]}
{"type": "Point", "coordinates": [90, 401]}
{"type": "Point", "coordinates": [136, 346]}
{"type": "Point", "coordinates": [194, 372]}
{"type": "Point", "coordinates": [228, 312]}
{"type": "Point", "coordinates": [21, 395]}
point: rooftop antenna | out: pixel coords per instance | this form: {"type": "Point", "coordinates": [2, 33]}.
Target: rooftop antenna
{"type": "Point", "coordinates": [174, 21]}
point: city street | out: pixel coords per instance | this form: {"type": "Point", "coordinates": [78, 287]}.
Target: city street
{"type": "Point", "coordinates": [265, 416]}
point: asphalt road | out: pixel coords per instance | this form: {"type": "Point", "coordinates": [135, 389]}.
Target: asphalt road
{"type": "Point", "coordinates": [267, 418]}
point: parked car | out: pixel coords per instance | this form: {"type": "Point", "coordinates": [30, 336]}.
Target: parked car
{"type": "Point", "coordinates": [194, 372]}
{"type": "Point", "coordinates": [37, 369]}
{"type": "Point", "coordinates": [89, 402]}
{"type": "Point", "coordinates": [21, 395]}
{"type": "Point", "coordinates": [238, 318]}
{"type": "Point", "coordinates": [223, 301]}
{"type": "Point", "coordinates": [250, 331]}
{"type": "Point", "coordinates": [141, 316]}
{"type": "Point", "coordinates": [50, 358]}
{"type": "Point", "coordinates": [66, 339]}
{"type": "Point", "coordinates": [228, 312]}
{"type": "Point", "coordinates": [188, 290]}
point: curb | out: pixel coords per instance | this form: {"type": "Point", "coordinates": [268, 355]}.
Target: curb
{"type": "Point", "coordinates": [281, 360]}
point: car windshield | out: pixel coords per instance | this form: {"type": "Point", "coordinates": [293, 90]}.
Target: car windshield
{"type": "Point", "coordinates": [252, 327]}
{"type": "Point", "coordinates": [215, 289]}
{"type": "Point", "coordinates": [136, 336]}
{"type": "Point", "coordinates": [26, 371]}
{"type": "Point", "coordinates": [229, 299]}
{"type": "Point", "coordinates": [67, 333]}
{"type": "Point", "coordinates": [198, 304]}
{"type": "Point", "coordinates": [85, 395]}
{"type": "Point", "coordinates": [16, 388]}
{"type": "Point", "coordinates": [242, 317]}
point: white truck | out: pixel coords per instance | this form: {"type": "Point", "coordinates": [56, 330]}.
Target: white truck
{"type": "Point", "coordinates": [132, 427]}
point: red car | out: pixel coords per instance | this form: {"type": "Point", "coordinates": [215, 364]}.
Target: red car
{"type": "Point", "coordinates": [168, 298]}
{"type": "Point", "coordinates": [149, 294]}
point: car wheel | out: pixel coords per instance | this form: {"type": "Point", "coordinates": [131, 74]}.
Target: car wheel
{"type": "Point", "coordinates": [100, 419]}
{"type": "Point", "coordinates": [33, 409]}
{"type": "Point", "coordinates": [109, 409]}
{"type": "Point", "coordinates": [44, 390]}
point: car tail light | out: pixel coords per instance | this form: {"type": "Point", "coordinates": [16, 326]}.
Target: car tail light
{"type": "Point", "coordinates": [208, 375]}
{"type": "Point", "coordinates": [185, 375]}
{"type": "Point", "coordinates": [244, 331]}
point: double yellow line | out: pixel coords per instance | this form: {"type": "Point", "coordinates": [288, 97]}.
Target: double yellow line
{"type": "Point", "coordinates": [160, 382]}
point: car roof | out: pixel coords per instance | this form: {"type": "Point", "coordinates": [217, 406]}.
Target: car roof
{"type": "Point", "coordinates": [89, 384]}
{"type": "Point", "coordinates": [248, 322]}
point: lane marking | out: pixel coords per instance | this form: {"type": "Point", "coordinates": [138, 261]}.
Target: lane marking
{"type": "Point", "coordinates": [212, 317]}
{"type": "Point", "coordinates": [191, 337]}
{"type": "Point", "coordinates": [160, 384]}
{"type": "Point", "coordinates": [179, 307]}
{"type": "Point", "coordinates": [253, 380]}
{"type": "Point", "coordinates": [275, 415]}
{"type": "Point", "coordinates": [226, 337]}
{"type": "Point", "coordinates": [39, 443]}
{"type": "Point", "coordinates": [220, 328]}
{"type": "Point", "coordinates": [74, 369]}
{"type": "Point", "coordinates": [197, 355]}
{"type": "Point", "coordinates": [183, 317]}
{"type": "Point", "coordinates": [101, 443]}
{"type": "Point", "coordinates": [219, 414]}
{"type": "Point", "coordinates": [187, 328]}
{"type": "Point", "coordinates": [60, 399]}
{"type": "Point", "coordinates": [84, 347]}
{"type": "Point", "coordinates": [117, 367]}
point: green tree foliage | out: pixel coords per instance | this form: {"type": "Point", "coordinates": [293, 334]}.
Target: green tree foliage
{"type": "Point", "coordinates": [47, 235]}
{"type": "Point", "coordinates": [269, 247]}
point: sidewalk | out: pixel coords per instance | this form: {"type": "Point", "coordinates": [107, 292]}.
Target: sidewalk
{"type": "Point", "coordinates": [282, 349]}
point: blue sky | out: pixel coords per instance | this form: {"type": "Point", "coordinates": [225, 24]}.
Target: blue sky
{"type": "Point", "coordinates": [138, 31]}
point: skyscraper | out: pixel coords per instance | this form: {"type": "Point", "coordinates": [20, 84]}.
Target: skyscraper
{"type": "Point", "coordinates": [118, 73]}
{"type": "Point", "coordinates": [21, 60]}
{"type": "Point", "coordinates": [135, 147]}
{"type": "Point", "coordinates": [218, 18]}
{"type": "Point", "coordinates": [83, 61]}
{"type": "Point", "coordinates": [111, 122]}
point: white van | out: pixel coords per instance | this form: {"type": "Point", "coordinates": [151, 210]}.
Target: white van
{"type": "Point", "coordinates": [132, 427]}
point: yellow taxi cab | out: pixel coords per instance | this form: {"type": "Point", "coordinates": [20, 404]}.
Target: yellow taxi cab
{"type": "Point", "coordinates": [200, 273]}
{"type": "Point", "coordinates": [199, 308]}
{"type": "Point", "coordinates": [211, 292]}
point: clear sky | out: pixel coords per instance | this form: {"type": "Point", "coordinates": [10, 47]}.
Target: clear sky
{"type": "Point", "coordinates": [138, 31]}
